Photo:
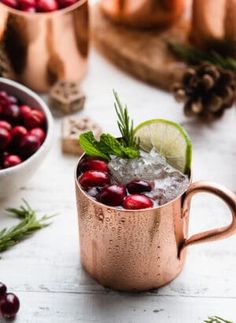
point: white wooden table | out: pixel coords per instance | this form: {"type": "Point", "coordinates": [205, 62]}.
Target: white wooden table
{"type": "Point", "coordinates": [45, 270]}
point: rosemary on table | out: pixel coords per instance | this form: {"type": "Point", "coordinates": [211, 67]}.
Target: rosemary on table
{"type": "Point", "coordinates": [194, 56]}
{"type": "Point", "coordinates": [29, 223]}
{"type": "Point", "coordinates": [216, 319]}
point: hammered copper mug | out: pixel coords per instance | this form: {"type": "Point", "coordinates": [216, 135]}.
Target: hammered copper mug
{"type": "Point", "coordinates": [42, 48]}
{"type": "Point", "coordinates": [144, 13]}
{"type": "Point", "coordinates": [140, 250]}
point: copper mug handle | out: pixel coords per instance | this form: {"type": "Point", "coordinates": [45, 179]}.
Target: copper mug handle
{"type": "Point", "coordinates": [216, 234]}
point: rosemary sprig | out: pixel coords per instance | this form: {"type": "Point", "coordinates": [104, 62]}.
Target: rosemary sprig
{"type": "Point", "coordinates": [125, 147]}
{"type": "Point", "coordinates": [28, 225]}
{"type": "Point", "coordinates": [194, 56]}
{"type": "Point", "coordinates": [216, 319]}
{"type": "Point", "coordinates": [125, 125]}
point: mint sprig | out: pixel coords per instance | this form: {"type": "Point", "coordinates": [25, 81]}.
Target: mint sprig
{"type": "Point", "coordinates": [126, 147]}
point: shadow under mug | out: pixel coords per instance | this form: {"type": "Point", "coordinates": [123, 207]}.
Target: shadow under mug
{"type": "Point", "coordinates": [38, 49]}
{"type": "Point", "coordinates": [134, 250]}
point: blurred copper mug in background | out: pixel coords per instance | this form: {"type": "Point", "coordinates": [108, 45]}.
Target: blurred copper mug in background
{"type": "Point", "coordinates": [140, 250]}
{"type": "Point", "coordinates": [42, 48]}
{"type": "Point", "coordinates": [144, 13]}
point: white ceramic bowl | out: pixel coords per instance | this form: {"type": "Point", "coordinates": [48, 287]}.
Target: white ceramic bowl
{"type": "Point", "coordinates": [11, 179]}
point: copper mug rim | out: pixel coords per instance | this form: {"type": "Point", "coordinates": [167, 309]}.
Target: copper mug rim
{"type": "Point", "coordinates": [44, 14]}
{"type": "Point", "coordinates": [125, 210]}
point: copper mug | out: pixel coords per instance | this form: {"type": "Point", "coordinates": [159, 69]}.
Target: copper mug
{"type": "Point", "coordinates": [41, 48]}
{"type": "Point", "coordinates": [144, 13]}
{"type": "Point", "coordinates": [140, 250]}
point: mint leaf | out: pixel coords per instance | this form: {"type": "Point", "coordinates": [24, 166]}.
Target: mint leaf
{"type": "Point", "coordinates": [111, 145]}
{"type": "Point", "coordinates": [90, 146]}
{"type": "Point", "coordinates": [131, 152]}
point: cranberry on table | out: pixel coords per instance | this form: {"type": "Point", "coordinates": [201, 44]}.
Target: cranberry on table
{"type": "Point", "coordinates": [9, 305]}
{"type": "Point", "coordinates": [5, 138]}
{"type": "Point", "coordinates": [93, 178]}
{"type": "Point", "coordinates": [18, 133]}
{"type": "Point", "coordinates": [5, 125]}
{"type": "Point", "coordinates": [93, 164]}
{"type": "Point", "coordinates": [39, 133]}
{"type": "Point", "coordinates": [3, 289]}
{"type": "Point", "coordinates": [112, 195]}
{"type": "Point", "coordinates": [138, 186]}
{"type": "Point", "coordinates": [12, 160]}
{"type": "Point", "coordinates": [29, 145]}
{"type": "Point", "coordinates": [136, 202]}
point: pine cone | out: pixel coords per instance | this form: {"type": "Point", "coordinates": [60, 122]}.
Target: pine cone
{"type": "Point", "coordinates": [206, 90]}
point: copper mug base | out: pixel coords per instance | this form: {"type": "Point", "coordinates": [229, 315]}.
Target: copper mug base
{"type": "Point", "coordinates": [131, 250]}
{"type": "Point", "coordinates": [42, 48]}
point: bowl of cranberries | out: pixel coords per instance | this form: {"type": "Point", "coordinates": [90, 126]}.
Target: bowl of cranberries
{"type": "Point", "coordinates": [25, 134]}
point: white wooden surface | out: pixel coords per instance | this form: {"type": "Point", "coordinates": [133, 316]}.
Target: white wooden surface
{"type": "Point", "coordinates": [45, 270]}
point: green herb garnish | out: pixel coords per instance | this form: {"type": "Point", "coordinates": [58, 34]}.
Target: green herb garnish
{"type": "Point", "coordinates": [28, 225]}
{"type": "Point", "coordinates": [125, 125]}
{"type": "Point", "coordinates": [107, 146]}
{"type": "Point", "coordinates": [194, 56]}
{"type": "Point", "coordinates": [216, 319]}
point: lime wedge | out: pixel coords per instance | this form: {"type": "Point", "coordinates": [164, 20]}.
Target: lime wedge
{"type": "Point", "coordinates": [170, 140]}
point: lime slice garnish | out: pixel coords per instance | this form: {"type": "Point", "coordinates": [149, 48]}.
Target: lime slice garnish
{"type": "Point", "coordinates": [169, 139]}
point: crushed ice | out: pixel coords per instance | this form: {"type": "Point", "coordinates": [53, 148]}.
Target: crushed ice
{"type": "Point", "coordinates": [168, 182]}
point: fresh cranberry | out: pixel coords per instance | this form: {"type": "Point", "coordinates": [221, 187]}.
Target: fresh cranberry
{"type": "Point", "coordinates": [11, 113]}
{"type": "Point", "coordinates": [26, 5]}
{"type": "Point", "coordinates": [3, 289]}
{"type": "Point", "coordinates": [138, 186]}
{"type": "Point", "coordinates": [93, 178]}
{"type": "Point", "coordinates": [112, 195]}
{"type": "Point", "coordinates": [39, 133]}
{"type": "Point", "coordinates": [66, 3]}
{"type": "Point", "coordinates": [10, 3]}
{"type": "Point", "coordinates": [9, 305]}
{"type": "Point", "coordinates": [5, 138]}
{"type": "Point", "coordinates": [93, 164]}
{"type": "Point", "coordinates": [47, 5]}
{"type": "Point", "coordinates": [13, 99]}
{"type": "Point", "coordinates": [136, 202]}
{"type": "Point", "coordinates": [33, 119]}
{"type": "Point", "coordinates": [12, 160]}
{"type": "Point", "coordinates": [29, 145]}
{"type": "Point", "coordinates": [25, 111]}
{"type": "Point", "coordinates": [29, 9]}
{"type": "Point", "coordinates": [4, 101]}
{"type": "Point", "coordinates": [18, 133]}
{"type": "Point", "coordinates": [5, 125]}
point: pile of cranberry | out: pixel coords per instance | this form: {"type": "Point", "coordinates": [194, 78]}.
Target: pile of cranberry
{"type": "Point", "coordinates": [95, 179]}
{"type": "Point", "coordinates": [22, 130]}
{"type": "Point", "coordinates": [9, 303]}
{"type": "Point", "coordinates": [32, 6]}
